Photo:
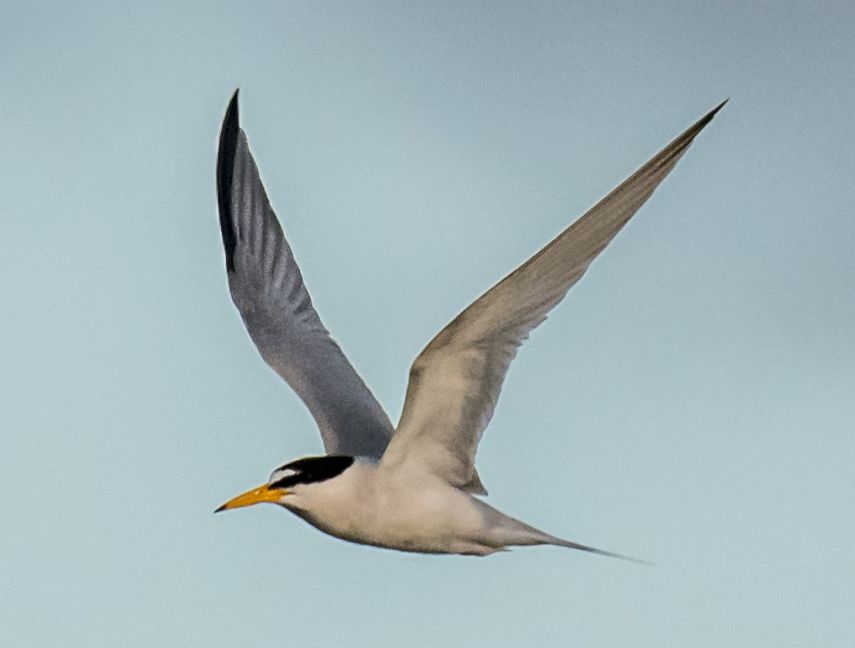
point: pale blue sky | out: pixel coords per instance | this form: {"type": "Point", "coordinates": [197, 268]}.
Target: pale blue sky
{"type": "Point", "coordinates": [691, 402]}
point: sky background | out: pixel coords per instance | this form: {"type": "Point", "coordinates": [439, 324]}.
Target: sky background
{"type": "Point", "coordinates": [691, 402]}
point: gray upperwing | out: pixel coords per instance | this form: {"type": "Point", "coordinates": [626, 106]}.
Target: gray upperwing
{"type": "Point", "coordinates": [268, 290]}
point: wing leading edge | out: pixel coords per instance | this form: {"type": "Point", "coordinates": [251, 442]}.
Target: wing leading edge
{"type": "Point", "coordinates": [456, 380]}
{"type": "Point", "coordinates": [268, 290]}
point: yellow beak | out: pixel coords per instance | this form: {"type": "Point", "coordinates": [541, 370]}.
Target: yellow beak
{"type": "Point", "coordinates": [254, 496]}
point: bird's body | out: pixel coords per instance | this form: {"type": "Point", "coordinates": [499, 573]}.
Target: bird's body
{"type": "Point", "coordinates": [369, 505]}
{"type": "Point", "coordinates": [412, 487]}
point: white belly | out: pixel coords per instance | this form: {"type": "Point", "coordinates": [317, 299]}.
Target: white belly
{"type": "Point", "coordinates": [424, 514]}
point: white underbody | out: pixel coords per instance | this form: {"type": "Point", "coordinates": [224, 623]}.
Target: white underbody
{"type": "Point", "coordinates": [421, 513]}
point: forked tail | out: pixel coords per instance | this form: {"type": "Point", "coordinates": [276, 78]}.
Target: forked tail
{"type": "Point", "coordinates": [520, 533]}
{"type": "Point", "coordinates": [575, 545]}
{"type": "Point", "coordinates": [506, 531]}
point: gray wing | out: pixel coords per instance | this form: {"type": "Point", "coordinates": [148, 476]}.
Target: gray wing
{"type": "Point", "coordinates": [267, 287]}
{"type": "Point", "coordinates": [455, 381]}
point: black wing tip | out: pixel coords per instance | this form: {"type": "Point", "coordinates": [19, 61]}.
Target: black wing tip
{"type": "Point", "coordinates": [232, 109]}
{"type": "Point", "coordinates": [706, 119]}
{"type": "Point", "coordinates": [712, 113]}
{"type": "Point", "coordinates": [230, 127]}
{"type": "Point", "coordinates": [225, 170]}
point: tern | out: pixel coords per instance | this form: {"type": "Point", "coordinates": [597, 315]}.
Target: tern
{"type": "Point", "coordinates": [413, 487]}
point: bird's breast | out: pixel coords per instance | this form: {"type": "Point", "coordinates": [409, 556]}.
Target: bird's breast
{"type": "Point", "coordinates": [369, 508]}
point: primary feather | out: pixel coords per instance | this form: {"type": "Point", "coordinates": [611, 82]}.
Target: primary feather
{"type": "Point", "coordinates": [268, 290]}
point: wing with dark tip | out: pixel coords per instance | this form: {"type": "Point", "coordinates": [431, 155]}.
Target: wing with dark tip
{"type": "Point", "coordinates": [455, 381]}
{"type": "Point", "coordinates": [268, 289]}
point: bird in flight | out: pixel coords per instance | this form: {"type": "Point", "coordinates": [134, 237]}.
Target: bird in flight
{"type": "Point", "coordinates": [411, 487]}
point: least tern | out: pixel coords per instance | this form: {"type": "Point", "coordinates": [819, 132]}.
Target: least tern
{"type": "Point", "coordinates": [412, 487]}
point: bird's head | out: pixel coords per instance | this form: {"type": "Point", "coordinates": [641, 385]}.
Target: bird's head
{"type": "Point", "coordinates": [290, 480]}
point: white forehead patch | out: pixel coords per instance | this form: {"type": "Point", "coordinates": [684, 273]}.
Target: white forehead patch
{"type": "Point", "coordinates": [281, 473]}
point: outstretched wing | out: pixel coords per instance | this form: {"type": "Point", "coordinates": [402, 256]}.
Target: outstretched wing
{"type": "Point", "coordinates": [267, 287]}
{"type": "Point", "coordinates": [455, 381]}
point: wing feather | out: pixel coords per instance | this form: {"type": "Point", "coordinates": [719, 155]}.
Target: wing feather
{"type": "Point", "coordinates": [268, 290]}
{"type": "Point", "coordinates": [456, 380]}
